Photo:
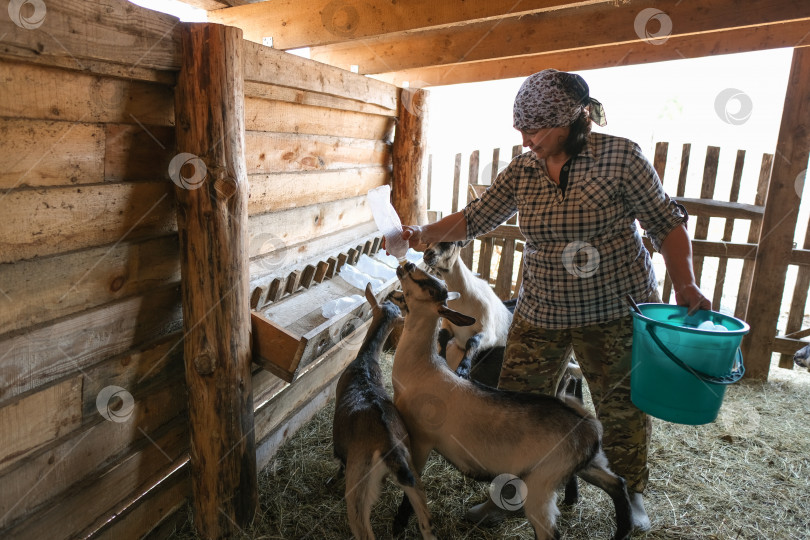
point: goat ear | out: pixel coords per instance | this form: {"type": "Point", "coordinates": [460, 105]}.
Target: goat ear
{"type": "Point", "coordinates": [453, 295]}
{"type": "Point", "coordinates": [459, 319]}
{"type": "Point", "coordinates": [370, 296]}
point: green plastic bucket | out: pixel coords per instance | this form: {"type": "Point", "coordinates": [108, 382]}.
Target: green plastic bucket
{"type": "Point", "coordinates": [680, 372]}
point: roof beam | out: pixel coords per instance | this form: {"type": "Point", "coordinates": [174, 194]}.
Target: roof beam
{"type": "Point", "coordinates": [561, 30]}
{"type": "Point", "coordinates": [303, 23]}
{"type": "Point", "coordinates": [748, 39]}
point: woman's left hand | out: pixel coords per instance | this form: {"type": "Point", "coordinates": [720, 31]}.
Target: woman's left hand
{"type": "Point", "coordinates": [693, 298]}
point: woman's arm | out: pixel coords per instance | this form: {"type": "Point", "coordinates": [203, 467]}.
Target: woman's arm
{"type": "Point", "coordinates": [677, 251]}
{"type": "Point", "coordinates": [448, 229]}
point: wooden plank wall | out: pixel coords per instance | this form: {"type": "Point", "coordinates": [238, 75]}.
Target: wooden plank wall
{"type": "Point", "coordinates": [92, 409]}
{"type": "Point", "coordinates": [317, 139]}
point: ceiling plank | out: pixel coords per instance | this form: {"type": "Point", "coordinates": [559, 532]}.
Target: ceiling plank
{"type": "Point", "coordinates": [207, 5]}
{"type": "Point", "coordinates": [567, 29]}
{"type": "Point", "coordinates": [303, 23]}
{"type": "Point", "coordinates": [748, 39]}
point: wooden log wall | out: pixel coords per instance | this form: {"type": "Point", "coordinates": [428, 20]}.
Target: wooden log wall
{"type": "Point", "coordinates": [92, 392]}
{"type": "Point", "coordinates": [92, 410]}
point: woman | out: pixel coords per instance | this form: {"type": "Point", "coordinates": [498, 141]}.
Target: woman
{"type": "Point", "coordinates": [578, 195]}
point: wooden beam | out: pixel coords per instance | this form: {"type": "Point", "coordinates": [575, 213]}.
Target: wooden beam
{"type": "Point", "coordinates": [307, 23]}
{"type": "Point", "coordinates": [212, 220]}
{"type": "Point", "coordinates": [410, 145]}
{"type": "Point", "coordinates": [565, 29]}
{"type": "Point", "coordinates": [779, 220]}
{"type": "Point", "coordinates": [266, 65]}
{"type": "Point", "coordinates": [737, 40]}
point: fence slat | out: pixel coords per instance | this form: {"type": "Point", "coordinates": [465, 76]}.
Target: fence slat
{"type": "Point", "coordinates": [744, 291]}
{"type": "Point", "coordinates": [797, 303]}
{"type": "Point", "coordinates": [679, 192]}
{"type": "Point", "coordinates": [503, 281]}
{"type": "Point", "coordinates": [485, 257]}
{"type": "Point", "coordinates": [706, 192]}
{"type": "Point", "coordinates": [733, 196]}
{"type": "Point", "coordinates": [472, 178]}
{"type": "Point", "coordinates": [456, 182]}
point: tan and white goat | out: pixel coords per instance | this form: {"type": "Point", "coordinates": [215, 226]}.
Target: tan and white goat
{"type": "Point", "coordinates": [485, 432]}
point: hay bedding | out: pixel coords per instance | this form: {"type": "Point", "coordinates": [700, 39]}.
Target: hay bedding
{"type": "Point", "coordinates": [744, 476]}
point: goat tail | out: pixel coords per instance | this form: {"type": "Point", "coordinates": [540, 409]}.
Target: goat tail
{"type": "Point", "coordinates": [398, 461]}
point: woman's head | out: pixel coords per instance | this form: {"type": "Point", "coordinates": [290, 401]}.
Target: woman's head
{"type": "Point", "coordinates": [555, 99]}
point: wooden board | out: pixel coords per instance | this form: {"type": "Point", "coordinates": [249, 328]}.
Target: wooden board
{"type": "Point", "coordinates": [56, 94]}
{"type": "Point", "coordinates": [277, 230]}
{"type": "Point", "coordinates": [43, 289]}
{"type": "Point", "coordinates": [306, 23]}
{"type": "Point", "coordinates": [44, 153]}
{"type": "Point", "coordinates": [263, 64]}
{"type": "Point", "coordinates": [283, 191]}
{"type": "Point", "coordinates": [565, 29]}
{"type": "Point", "coordinates": [77, 34]}
{"type": "Point", "coordinates": [154, 510]}
{"type": "Point", "coordinates": [738, 40]}
{"type": "Point", "coordinates": [274, 152]}
{"type": "Point", "coordinates": [87, 506]}
{"type": "Point", "coordinates": [316, 99]}
{"type": "Point", "coordinates": [279, 263]}
{"type": "Point", "coordinates": [283, 117]}
{"type": "Point", "coordinates": [57, 220]}
{"type": "Point", "coordinates": [48, 474]}
{"type": "Point", "coordinates": [44, 354]}
{"type": "Point", "coordinates": [33, 420]}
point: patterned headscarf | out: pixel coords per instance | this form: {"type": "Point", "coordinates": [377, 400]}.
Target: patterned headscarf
{"type": "Point", "coordinates": [554, 98]}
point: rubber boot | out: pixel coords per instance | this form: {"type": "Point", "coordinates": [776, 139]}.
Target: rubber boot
{"type": "Point", "coordinates": [641, 521]}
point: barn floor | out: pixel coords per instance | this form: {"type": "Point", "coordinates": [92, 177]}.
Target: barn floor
{"type": "Point", "coordinates": [745, 476]}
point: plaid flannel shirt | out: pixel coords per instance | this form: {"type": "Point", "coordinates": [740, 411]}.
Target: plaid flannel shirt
{"type": "Point", "coordinates": [583, 250]}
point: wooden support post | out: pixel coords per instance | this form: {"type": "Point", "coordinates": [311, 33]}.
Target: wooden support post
{"type": "Point", "coordinates": [410, 143]}
{"type": "Point", "coordinates": [212, 220]}
{"type": "Point", "coordinates": [779, 220]}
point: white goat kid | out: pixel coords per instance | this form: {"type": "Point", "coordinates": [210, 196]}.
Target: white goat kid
{"type": "Point", "coordinates": [369, 436]}
{"type": "Point", "coordinates": [486, 432]}
{"type": "Point", "coordinates": [465, 346]}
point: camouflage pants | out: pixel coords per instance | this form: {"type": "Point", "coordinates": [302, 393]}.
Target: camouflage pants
{"type": "Point", "coordinates": [534, 361]}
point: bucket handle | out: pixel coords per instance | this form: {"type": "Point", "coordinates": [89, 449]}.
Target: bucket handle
{"type": "Point", "coordinates": [734, 376]}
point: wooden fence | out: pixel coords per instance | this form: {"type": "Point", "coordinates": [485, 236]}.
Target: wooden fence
{"type": "Point", "coordinates": [496, 256]}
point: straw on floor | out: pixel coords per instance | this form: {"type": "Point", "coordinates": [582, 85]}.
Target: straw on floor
{"type": "Point", "coordinates": [745, 476]}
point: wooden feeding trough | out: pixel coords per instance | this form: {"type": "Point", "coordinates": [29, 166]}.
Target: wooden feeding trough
{"type": "Point", "coordinates": [290, 332]}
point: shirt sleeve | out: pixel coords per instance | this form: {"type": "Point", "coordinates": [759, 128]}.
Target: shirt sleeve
{"type": "Point", "coordinates": [657, 213]}
{"type": "Point", "coordinates": [495, 206]}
